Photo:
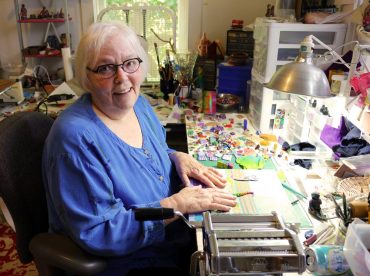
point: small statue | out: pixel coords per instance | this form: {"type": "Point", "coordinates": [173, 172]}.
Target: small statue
{"type": "Point", "coordinates": [202, 46]}
{"type": "Point", "coordinates": [270, 10]}
{"type": "Point", "coordinates": [61, 13]}
{"type": "Point", "coordinates": [267, 14]}
{"type": "Point", "coordinates": [23, 13]}
{"type": "Point", "coordinates": [314, 207]}
{"type": "Point", "coordinates": [44, 13]}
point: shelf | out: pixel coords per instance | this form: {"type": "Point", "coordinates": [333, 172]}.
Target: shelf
{"type": "Point", "coordinates": [356, 123]}
{"type": "Point", "coordinates": [43, 56]}
{"type": "Point", "coordinates": [50, 25]}
{"type": "Point", "coordinates": [283, 62]}
{"type": "Point", "coordinates": [298, 46]}
{"type": "Point", "coordinates": [41, 20]}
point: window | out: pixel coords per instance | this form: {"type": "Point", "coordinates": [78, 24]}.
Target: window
{"type": "Point", "coordinates": [161, 22]}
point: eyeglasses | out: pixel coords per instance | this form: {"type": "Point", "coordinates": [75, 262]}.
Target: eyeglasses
{"type": "Point", "coordinates": [107, 71]}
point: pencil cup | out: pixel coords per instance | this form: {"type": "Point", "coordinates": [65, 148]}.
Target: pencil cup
{"type": "Point", "coordinates": [167, 87]}
{"type": "Point", "coordinates": [184, 92]}
{"type": "Point", "coordinates": [171, 98]}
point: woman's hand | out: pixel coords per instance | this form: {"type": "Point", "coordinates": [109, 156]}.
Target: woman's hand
{"type": "Point", "coordinates": [197, 199]}
{"type": "Point", "coordinates": [187, 167]}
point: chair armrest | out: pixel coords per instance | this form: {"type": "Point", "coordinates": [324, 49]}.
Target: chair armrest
{"type": "Point", "coordinates": [61, 252]}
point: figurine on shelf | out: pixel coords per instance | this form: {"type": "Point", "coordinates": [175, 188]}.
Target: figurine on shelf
{"type": "Point", "coordinates": [61, 13]}
{"type": "Point", "coordinates": [202, 46]}
{"type": "Point", "coordinates": [23, 13]}
{"type": "Point", "coordinates": [44, 13]}
{"type": "Point", "coordinates": [270, 10]}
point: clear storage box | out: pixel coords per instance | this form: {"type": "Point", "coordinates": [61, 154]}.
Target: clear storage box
{"type": "Point", "coordinates": [356, 247]}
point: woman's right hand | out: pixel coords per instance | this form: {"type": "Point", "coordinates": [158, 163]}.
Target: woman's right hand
{"type": "Point", "coordinates": [197, 199]}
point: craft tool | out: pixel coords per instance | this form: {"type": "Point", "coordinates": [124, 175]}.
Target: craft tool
{"type": "Point", "coordinates": [310, 240]}
{"type": "Point", "coordinates": [157, 54]}
{"type": "Point", "coordinates": [290, 189]}
{"type": "Point", "coordinates": [345, 210]}
{"type": "Point", "coordinates": [243, 194]}
{"type": "Point", "coordinates": [168, 56]}
{"type": "Point", "coordinates": [160, 69]}
{"type": "Point", "coordinates": [242, 242]}
{"type": "Point", "coordinates": [325, 234]}
{"type": "Point", "coordinates": [338, 209]}
{"type": "Point", "coordinates": [245, 124]}
{"type": "Point", "coordinates": [295, 201]}
{"type": "Point", "coordinates": [312, 237]}
{"type": "Point", "coordinates": [246, 178]}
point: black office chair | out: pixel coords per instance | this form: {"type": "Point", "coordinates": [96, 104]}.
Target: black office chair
{"type": "Point", "coordinates": [22, 138]}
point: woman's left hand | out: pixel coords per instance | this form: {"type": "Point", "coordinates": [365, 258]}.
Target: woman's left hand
{"type": "Point", "coordinates": [187, 167]}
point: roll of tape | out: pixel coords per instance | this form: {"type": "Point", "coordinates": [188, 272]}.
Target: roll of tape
{"type": "Point", "coordinates": [358, 208]}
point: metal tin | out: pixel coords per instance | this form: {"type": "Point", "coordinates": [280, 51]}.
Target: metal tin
{"type": "Point", "coordinates": [326, 259]}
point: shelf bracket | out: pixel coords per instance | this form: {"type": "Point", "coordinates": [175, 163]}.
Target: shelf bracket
{"type": "Point", "coordinates": [47, 32]}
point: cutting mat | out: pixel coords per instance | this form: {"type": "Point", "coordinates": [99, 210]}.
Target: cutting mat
{"type": "Point", "coordinates": [269, 195]}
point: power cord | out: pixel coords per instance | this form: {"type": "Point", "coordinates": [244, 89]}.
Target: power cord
{"type": "Point", "coordinates": [42, 103]}
{"type": "Point", "coordinates": [52, 98]}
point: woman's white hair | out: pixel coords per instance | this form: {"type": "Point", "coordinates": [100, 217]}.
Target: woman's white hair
{"type": "Point", "coordinates": [95, 38]}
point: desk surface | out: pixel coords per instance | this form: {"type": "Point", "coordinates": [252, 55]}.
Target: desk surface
{"type": "Point", "coordinates": [269, 195]}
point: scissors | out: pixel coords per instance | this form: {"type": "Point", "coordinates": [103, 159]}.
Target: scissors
{"type": "Point", "coordinates": [246, 178]}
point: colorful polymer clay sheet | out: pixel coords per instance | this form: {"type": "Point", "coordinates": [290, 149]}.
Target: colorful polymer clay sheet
{"type": "Point", "coordinates": [224, 138]}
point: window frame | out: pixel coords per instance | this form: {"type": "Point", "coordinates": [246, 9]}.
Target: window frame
{"type": "Point", "coordinates": [182, 20]}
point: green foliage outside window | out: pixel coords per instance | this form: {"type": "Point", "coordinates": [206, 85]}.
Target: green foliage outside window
{"type": "Point", "coordinates": [172, 4]}
{"type": "Point", "coordinates": [159, 23]}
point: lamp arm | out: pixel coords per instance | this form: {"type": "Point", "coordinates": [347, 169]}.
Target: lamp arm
{"type": "Point", "coordinates": [330, 50]}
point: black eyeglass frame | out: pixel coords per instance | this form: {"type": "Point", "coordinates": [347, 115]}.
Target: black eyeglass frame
{"type": "Point", "coordinates": [96, 71]}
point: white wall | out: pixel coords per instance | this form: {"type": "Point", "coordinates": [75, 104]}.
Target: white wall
{"type": "Point", "coordinates": [211, 16]}
{"type": "Point", "coordinates": [214, 17]}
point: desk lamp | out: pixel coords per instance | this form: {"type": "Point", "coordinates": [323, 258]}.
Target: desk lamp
{"type": "Point", "coordinates": [302, 77]}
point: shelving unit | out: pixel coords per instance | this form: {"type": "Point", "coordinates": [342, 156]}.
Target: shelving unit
{"type": "Point", "coordinates": [240, 41]}
{"type": "Point", "coordinates": [49, 20]}
{"type": "Point", "coordinates": [49, 24]}
{"type": "Point", "coordinates": [275, 45]}
{"type": "Point", "coordinates": [356, 122]}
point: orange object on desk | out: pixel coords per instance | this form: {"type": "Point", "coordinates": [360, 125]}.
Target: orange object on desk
{"type": "Point", "coordinates": [4, 84]}
{"type": "Point", "coordinates": [49, 88]}
{"type": "Point", "coordinates": [268, 137]}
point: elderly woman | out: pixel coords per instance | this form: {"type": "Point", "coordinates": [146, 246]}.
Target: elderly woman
{"type": "Point", "coordinates": [107, 155]}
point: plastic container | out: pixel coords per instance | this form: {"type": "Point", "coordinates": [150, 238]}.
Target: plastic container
{"type": "Point", "coordinates": [285, 8]}
{"type": "Point", "coordinates": [356, 247]}
{"type": "Point", "coordinates": [233, 79]}
{"type": "Point", "coordinates": [338, 84]}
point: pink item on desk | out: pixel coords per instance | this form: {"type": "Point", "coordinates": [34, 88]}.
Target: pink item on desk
{"type": "Point", "coordinates": [209, 102]}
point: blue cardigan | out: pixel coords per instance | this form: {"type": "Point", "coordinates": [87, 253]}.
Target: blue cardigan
{"type": "Point", "coordinates": [94, 180]}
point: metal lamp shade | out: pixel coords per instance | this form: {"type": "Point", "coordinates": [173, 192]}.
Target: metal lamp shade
{"type": "Point", "coordinates": [300, 78]}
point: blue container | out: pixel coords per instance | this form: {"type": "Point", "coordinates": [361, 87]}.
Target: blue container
{"type": "Point", "coordinates": [233, 79]}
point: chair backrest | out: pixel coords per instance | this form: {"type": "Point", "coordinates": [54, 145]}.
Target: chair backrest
{"type": "Point", "coordinates": [22, 138]}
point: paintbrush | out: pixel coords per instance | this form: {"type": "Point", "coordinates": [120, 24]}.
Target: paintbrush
{"type": "Point", "coordinates": [160, 69]}
{"type": "Point", "coordinates": [156, 52]}
{"type": "Point", "coordinates": [243, 194]}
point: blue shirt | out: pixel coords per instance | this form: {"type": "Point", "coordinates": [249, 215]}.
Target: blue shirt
{"type": "Point", "coordinates": [94, 180]}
